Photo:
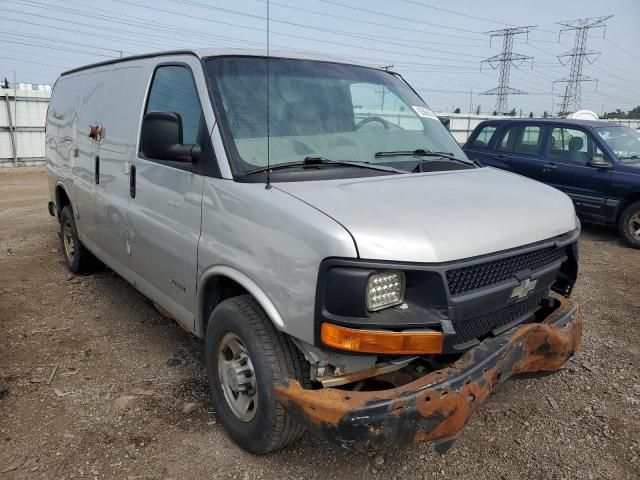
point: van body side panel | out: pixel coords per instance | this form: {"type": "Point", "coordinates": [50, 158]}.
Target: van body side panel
{"type": "Point", "coordinates": [123, 102]}
{"type": "Point", "coordinates": [274, 239]}
{"type": "Point", "coordinates": [84, 168]}
{"type": "Point", "coordinates": [61, 136]}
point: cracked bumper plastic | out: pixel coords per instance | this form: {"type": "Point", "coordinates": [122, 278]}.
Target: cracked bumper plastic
{"type": "Point", "coordinates": [437, 406]}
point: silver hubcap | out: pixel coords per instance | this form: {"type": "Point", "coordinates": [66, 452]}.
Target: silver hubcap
{"type": "Point", "coordinates": [68, 242]}
{"type": "Point", "coordinates": [634, 226]}
{"type": "Point", "coordinates": [237, 377]}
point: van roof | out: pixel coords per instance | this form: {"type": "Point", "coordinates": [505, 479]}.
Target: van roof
{"type": "Point", "coordinates": [220, 52]}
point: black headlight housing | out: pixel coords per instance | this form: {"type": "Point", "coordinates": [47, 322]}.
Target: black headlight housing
{"type": "Point", "coordinates": [342, 287]}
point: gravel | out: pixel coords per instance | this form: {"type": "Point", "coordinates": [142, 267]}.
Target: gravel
{"type": "Point", "coordinates": [119, 404]}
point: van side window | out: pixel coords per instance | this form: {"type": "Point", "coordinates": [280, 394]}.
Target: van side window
{"type": "Point", "coordinates": [528, 140]}
{"type": "Point", "coordinates": [174, 90]}
{"type": "Point", "coordinates": [570, 145]}
{"type": "Point", "coordinates": [484, 136]}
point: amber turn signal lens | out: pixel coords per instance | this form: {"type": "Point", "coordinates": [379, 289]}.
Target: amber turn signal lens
{"type": "Point", "coordinates": [376, 341]}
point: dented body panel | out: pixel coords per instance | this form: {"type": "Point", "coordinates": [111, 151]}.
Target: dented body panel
{"type": "Point", "coordinates": [438, 405]}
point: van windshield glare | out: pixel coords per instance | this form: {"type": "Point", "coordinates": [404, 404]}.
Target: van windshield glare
{"type": "Point", "coordinates": [319, 109]}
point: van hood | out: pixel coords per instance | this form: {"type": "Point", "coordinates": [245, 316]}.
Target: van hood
{"type": "Point", "coordinates": [442, 216]}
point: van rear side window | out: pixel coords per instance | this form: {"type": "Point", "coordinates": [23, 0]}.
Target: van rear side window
{"type": "Point", "coordinates": [173, 90]}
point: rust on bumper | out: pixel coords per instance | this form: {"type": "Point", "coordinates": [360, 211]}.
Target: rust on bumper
{"type": "Point", "coordinates": [437, 406]}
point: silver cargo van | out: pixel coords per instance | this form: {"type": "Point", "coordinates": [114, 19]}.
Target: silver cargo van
{"type": "Point", "coordinates": [350, 270]}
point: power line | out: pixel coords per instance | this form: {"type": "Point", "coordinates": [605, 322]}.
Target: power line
{"type": "Point", "coordinates": [412, 20]}
{"type": "Point", "coordinates": [456, 13]}
{"type": "Point", "coordinates": [362, 21]}
{"type": "Point", "coordinates": [622, 49]}
{"type": "Point", "coordinates": [576, 57]}
{"type": "Point", "coordinates": [376, 38]}
{"type": "Point", "coordinates": [340, 44]}
{"type": "Point", "coordinates": [504, 61]}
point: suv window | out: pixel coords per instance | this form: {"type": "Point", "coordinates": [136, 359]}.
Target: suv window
{"type": "Point", "coordinates": [174, 90]}
{"type": "Point", "coordinates": [570, 145]}
{"type": "Point", "coordinates": [506, 142]}
{"type": "Point", "coordinates": [528, 140]}
{"type": "Point", "coordinates": [524, 139]}
{"type": "Point", "coordinates": [484, 136]}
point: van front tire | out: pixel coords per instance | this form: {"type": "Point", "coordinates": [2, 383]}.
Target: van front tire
{"type": "Point", "coordinates": [76, 255]}
{"type": "Point", "coordinates": [629, 225]}
{"type": "Point", "coordinates": [247, 356]}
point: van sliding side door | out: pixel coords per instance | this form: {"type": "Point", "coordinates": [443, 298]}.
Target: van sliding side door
{"type": "Point", "coordinates": [123, 103]}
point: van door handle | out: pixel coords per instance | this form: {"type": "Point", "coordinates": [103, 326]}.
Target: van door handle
{"type": "Point", "coordinates": [132, 181]}
{"type": "Point", "coordinates": [95, 132]}
{"type": "Point", "coordinates": [97, 170]}
{"type": "Point", "coordinates": [547, 167]}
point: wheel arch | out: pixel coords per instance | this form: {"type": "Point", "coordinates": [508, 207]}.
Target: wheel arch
{"type": "Point", "coordinates": [628, 200]}
{"type": "Point", "coordinates": [221, 282]}
{"type": "Point", "coordinates": [62, 197]}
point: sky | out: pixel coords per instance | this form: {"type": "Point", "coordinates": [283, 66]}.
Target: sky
{"type": "Point", "coordinates": [437, 46]}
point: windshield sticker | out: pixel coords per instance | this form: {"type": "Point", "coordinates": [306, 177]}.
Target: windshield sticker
{"type": "Point", "coordinates": [425, 112]}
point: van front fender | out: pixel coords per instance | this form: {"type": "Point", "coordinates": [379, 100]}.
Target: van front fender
{"type": "Point", "coordinates": [241, 279]}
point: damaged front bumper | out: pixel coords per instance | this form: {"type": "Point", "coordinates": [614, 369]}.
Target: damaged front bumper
{"type": "Point", "coordinates": [436, 406]}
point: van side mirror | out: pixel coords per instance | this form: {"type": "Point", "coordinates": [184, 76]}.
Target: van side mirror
{"type": "Point", "coordinates": [161, 138]}
{"type": "Point", "coordinates": [599, 161]}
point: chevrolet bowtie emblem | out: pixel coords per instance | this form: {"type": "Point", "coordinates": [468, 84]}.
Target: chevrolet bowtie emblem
{"type": "Point", "coordinates": [524, 289]}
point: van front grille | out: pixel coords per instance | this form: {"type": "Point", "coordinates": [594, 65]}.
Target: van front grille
{"type": "Point", "coordinates": [474, 277]}
{"type": "Point", "coordinates": [477, 327]}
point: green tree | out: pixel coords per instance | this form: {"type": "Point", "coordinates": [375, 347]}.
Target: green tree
{"type": "Point", "coordinates": [495, 114]}
{"type": "Point", "coordinates": [545, 114]}
{"type": "Point", "coordinates": [634, 113]}
{"type": "Point", "coordinates": [512, 113]}
{"type": "Point", "coordinates": [478, 109]}
{"type": "Point", "coordinates": [530, 114]}
{"type": "Point", "coordinates": [457, 110]}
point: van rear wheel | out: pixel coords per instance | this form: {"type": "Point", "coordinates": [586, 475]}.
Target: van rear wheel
{"type": "Point", "coordinates": [76, 255]}
{"type": "Point", "coordinates": [629, 225]}
{"type": "Point", "coordinates": [246, 356]}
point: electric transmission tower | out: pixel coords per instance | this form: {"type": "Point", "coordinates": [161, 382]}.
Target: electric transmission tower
{"type": "Point", "coordinates": [572, 95]}
{"type": "Point", "coordinates": [504, 61]}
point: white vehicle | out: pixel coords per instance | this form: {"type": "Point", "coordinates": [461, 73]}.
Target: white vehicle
{"type": "Point", "coordinates": [350, 270]}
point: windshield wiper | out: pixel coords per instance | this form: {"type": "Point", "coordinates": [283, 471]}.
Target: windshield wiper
{"type": "Point", "coordinates": [421, 152]}
{"type": "Point", "coordinates": [311, 161]}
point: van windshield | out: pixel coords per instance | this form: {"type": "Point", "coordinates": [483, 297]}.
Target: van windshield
{"type": "Point", "coordinates": [624, 141]}
{"type": "Point", "coordinates": [321, 110]}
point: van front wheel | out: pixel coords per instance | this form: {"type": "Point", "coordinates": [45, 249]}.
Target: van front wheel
{"type": "Point", "coordinates": [76, 255]}
{"type": "Point", "coordinates": [246, 356]}
{"type": "Point", "coordinates": [629, 225]}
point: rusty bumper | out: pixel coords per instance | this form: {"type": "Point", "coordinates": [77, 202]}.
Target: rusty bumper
{"type": "Point", "coordinates": [437, 406]}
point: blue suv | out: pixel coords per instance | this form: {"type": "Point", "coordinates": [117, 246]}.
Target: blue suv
{"type": "Point", "coordinates": [596, 163]}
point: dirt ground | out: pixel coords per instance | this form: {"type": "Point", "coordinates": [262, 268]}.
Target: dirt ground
{"type": "Point", "coordinates": [95, 384]}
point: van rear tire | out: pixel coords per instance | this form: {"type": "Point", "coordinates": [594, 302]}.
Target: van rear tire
{"type": "Point", "coordinates": [77, 257]}
{"type": "Point", "coordinates": [629, 225]}
{"type": "Point", "coordinates": [241, 338]}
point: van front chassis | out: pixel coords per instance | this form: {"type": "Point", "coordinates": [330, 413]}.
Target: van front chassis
{"type": "Point", "coordinates": [436, 406]}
